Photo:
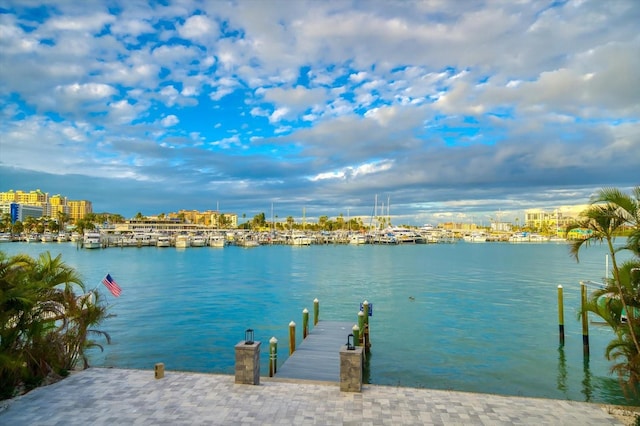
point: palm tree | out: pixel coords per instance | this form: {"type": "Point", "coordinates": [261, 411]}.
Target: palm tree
{"type": "Point", "coordinates": [44, 325]}
{"type": "Point", "coordinates": [618, 303]}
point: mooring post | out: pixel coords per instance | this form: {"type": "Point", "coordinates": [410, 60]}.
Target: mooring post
{"type": "Point", "coordinates": [292, 337]}
{"type": "Point", "coordinates": [305, 323]}
{"type": "Point", "coordinates": [367, 331]}
{"type": "Point", "coordinates": [356, 334]}
{"type": "Point", "coordinates": [159, 370]}
{"type": "Point", "coordinates": [316, 311]}
{"type": "Point", "coordinates": [273, 356]}
{"type": "Point", "coordinates": [585, 320]}
{"type": "Point", "coordinates": [561, 315]}
{"type": "Point", "coordinates": [361, 326]}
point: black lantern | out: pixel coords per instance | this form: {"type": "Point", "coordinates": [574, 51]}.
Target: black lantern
{"type": "Point", "coordinates": [248, 336]}
{"type": "Point", "coordinates": [350, 346]}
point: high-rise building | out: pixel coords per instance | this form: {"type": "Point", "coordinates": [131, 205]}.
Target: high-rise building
{"type": "Point", "coordinates": [79, 209]}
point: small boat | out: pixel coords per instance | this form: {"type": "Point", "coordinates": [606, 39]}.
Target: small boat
{"type": "Point", "coordinates": [300, 239]}
{"type": "Point", "coordinates": [217, 241]}
{"type": "Point", "coordinates": [163, 241]}
{"type": "Point", "coordinates": [91, 240]}
{"type": "Point", "coordinates": [47, 237]}
{"type": "Point", "coordinates": [476, 237]}
{"type": "Point", "coordinates": [182, 241]}
{"type": "Point", "coordinates": [198, 241]}
{"type": "Point", "coordinates": [357, 239]}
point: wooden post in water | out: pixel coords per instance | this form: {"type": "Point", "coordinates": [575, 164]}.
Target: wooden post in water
{"type": "Point", "coordinates": [273, 356]}
{"type": "Point", "coordinates": [560, 315]}
{"type": "Point", "coordinates": [361, 326]}
{"type": "Point", "coordinates": [305, 323]}
{"type": "Point", "coordinates": [316, 311]}
{"type": "Point", "coordinates": [292, 337]}
{"type": "Point", "coordinates": [356, 335]}
{"type": "Point", "coordinates": [367, 333]}
{"type": "Point", "coordinates": [585, 319]}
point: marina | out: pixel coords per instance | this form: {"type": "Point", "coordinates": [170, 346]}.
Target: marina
{"type": "Point", "coordinates": [465, 317]}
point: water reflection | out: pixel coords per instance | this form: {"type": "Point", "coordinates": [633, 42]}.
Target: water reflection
{"type": "Point", "coordinates": [587, 387]}
{"type": "Point", "coordinates": [562, 371]}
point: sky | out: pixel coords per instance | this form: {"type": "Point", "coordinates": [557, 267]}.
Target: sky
{"type": "Point", "coordinates": [462, 111]}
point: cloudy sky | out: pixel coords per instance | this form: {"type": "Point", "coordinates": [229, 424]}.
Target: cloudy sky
{"type": "Point", "coordinates": [446, 110]}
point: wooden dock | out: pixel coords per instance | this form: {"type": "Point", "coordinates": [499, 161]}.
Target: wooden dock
{"type": "Point", "coordinates": [318, 356]}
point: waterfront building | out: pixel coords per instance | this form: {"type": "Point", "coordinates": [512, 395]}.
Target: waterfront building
{"type": "Point", "coordinates": [49, 206]}
{"type": "Point", "coordinates": [58, 204]}
{"type": "Point", "coordinates": [78, 209]}
{"type": "Point", "coordinates": [19, 212]}
{"type": "Point", "coordinates": [559, 218]}
{"type": "Point", "coordinates": [209, 218]}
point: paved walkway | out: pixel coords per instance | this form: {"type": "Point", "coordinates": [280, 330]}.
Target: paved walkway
{"type": "Point", "coordinates": [99, 396]}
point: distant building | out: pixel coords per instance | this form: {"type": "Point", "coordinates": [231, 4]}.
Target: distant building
{"type": "Point", "coordinates": [79, 209]}
{"type": "Point", "coordinates": [38, 201]}
{"type": "Point", "coordinates": [209, 218]}
{"type": "Point", "coordinates": [549, 219]}
{"type": "Point", "coordinates": [19, 212]}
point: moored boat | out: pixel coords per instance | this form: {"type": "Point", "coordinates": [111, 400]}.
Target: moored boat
{"type": "Point", "coordinates": [182, 241]}
{"type": "Point", "coordinates": [91, 240]}
{"type": "Point", "coordinates": [217, 241]}
{"type": "Point", "coordinates": [198, 241]}
{"type": "Point", "coordinates": [163, 241]}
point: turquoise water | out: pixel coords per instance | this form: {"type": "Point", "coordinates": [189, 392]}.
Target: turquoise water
{"type": "Point", "coordinates": [466, 317]}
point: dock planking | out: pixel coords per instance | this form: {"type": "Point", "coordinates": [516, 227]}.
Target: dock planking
{"type": "Point", "coordinates": [318, 356]}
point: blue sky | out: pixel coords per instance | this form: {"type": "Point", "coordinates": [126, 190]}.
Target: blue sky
{"type": "Point", "coordinates": [444, 110]}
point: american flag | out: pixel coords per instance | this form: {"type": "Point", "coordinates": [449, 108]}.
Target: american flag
{"type": "Point", "coordinates": [113, 286]}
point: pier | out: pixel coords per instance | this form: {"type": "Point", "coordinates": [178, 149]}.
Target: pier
{"type": "Point", "coordinates": [318, 356]}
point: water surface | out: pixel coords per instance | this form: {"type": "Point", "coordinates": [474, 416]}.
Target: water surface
{"type": "Point", "coordinates": [467, 317]}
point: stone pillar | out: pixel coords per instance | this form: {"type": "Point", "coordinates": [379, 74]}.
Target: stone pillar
{"type": "Point", "coordinates": [351, 369]}
{"type": "Point", "coordinates": [248, 363]}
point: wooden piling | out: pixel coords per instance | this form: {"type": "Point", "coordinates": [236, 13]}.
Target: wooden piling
{"type": "Point", "coordinates": [560, 315]}
{"type": "Point", "coordinates": [316, 311]}
{"type": "Point", "coordinates": [361, 326]}
{"type": "Point", "coordinates": [585, 320]}
{"type": "Point", "coordinates": [367, 333]}
{"type": "Point", "coordinates": [273, 356]}
{"type": "Point", "coordinates": [355, 330]}
{"type": "Point", "coordinates": [305, 323]}
{"type": "Point", "coordinates": [159, 370]}
{"type": "Point", "coordinates": [292, 337]}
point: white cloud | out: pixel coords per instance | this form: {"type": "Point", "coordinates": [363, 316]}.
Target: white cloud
{"type": "Point", "coordinates": [278, 115]}
{"type": "Point", "coordinates": [170, 121]}
{"type": "Point", "coordinates": [198, 27]}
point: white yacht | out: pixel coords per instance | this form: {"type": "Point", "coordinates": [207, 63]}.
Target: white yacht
{"type": "Point", "coordinates": [91, 240]}
{"type": "Point", "coordinates": [182, 241]}
{"type": "Point", "coordinates": [198, 241]}
{"type": "Point", "coordinates": [163, 241]}
{"type": "Point", "coordinates": [217, 241]}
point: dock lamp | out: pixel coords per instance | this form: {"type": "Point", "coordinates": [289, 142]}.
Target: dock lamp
{"type": "Point", "coordinates": [248, 336]}
{"type": "Point", "coordinates": [350, 345]}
